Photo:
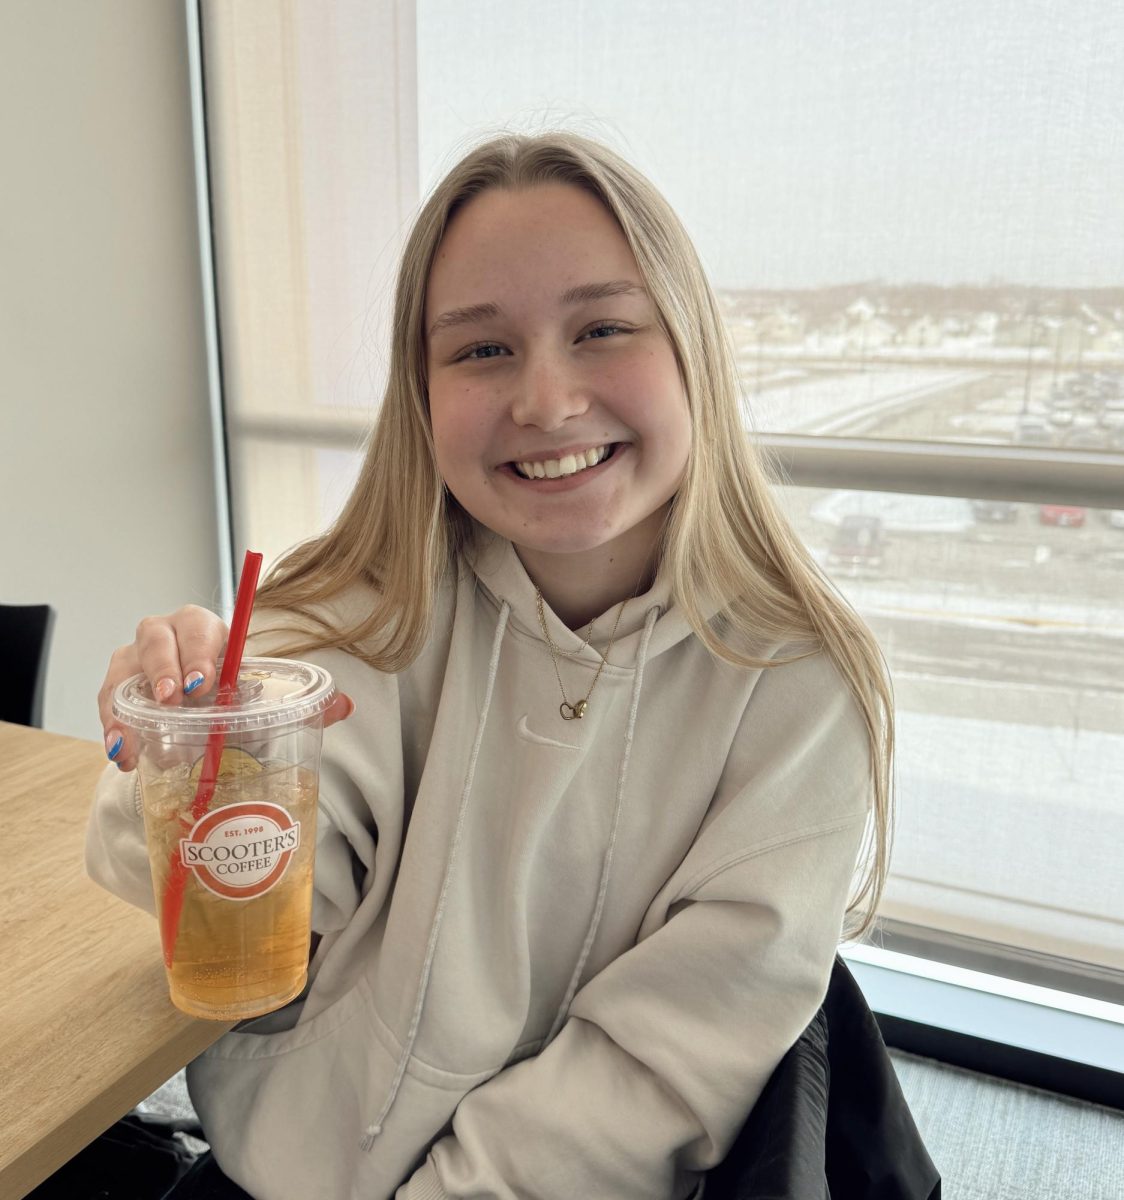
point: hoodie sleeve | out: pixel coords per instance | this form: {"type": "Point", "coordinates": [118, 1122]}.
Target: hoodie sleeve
{"type": "Point", "coordinates": [666, 1049]}
{"type": "Point", "coordinates": [116, 857]}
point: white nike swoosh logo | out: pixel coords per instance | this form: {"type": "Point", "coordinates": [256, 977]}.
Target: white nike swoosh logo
{"type": "Point", "coordinates": [529, 734]}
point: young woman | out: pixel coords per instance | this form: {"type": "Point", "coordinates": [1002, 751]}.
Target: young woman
{"type": "Point", "coordinates": [586, 845]}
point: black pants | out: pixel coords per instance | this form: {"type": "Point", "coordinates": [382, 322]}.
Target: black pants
{"type": "Point", "coordinates": [832, 1122]}
{"type": "Point", "coordinates": [205, 1181]}
{"type": "Point", "coordinates": [140, 1157]}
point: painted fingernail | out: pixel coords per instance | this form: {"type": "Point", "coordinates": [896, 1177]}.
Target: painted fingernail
{"type": "Point", "coordinates": [192, 682]}
{"type": "Point", "coordinates": [164, 689]}
{"type": "Point", "coordinates": [113, 744]}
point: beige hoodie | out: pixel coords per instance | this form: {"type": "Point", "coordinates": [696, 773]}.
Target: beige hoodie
{"type": "Point", "coordinates": [560, 959]}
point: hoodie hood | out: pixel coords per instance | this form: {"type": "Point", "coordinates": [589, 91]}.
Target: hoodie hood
{"type": "Point", "coordinates": [501, 573]}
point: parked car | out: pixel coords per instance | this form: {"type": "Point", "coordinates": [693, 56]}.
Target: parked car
{"type": "Point", "coordinates": [858, 543]}
{"type": "Point", "coordinates": [995, 510]}
{"type": "Point", "coordinates": [1115, 518]}
{"type": "Point", "coordinates": [1061, 514]}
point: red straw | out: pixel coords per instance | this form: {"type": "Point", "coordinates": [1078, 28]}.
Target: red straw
{"type": "Point", "coordinates": [212, 756]}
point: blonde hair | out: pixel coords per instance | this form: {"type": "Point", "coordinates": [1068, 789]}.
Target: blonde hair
{"type": "Point", "coordinates": [401, 531]}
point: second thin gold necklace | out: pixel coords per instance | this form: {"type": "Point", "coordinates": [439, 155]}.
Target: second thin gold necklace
{"type": "Point", "coordinates": [575, 712]}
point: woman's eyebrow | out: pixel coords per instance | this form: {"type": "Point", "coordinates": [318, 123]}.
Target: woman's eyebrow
{"type": "Point", "coordinates": [600, 291]}
{"type": "Point", "coordinates": [582, 294]}
{"type": "Point", "coordinates": [469, 315]}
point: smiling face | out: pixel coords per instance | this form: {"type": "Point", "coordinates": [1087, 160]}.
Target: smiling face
{"type": "Point", "coordinates": [543, 347]}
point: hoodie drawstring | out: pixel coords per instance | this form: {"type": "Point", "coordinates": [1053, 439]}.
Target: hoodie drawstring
{"type": "Point", "coordinates": [375, 1128]}
{"type": "Point", "coordinates": [595, 920]}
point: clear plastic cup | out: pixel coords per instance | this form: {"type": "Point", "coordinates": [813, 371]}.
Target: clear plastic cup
{"type": "Point", "coordinates": [232, 867]}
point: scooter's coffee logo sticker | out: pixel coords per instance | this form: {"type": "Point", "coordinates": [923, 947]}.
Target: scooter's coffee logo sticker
{"type": "Point", "coordinates": [243, 850]}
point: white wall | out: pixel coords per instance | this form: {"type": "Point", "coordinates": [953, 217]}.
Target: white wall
{"type": "Point", "coordinates": [107, 504]}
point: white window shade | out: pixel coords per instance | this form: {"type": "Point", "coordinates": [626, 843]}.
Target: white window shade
{"type": "Point", "coordinates": [312, 148]}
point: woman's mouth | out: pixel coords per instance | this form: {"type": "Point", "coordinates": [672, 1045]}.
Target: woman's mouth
{"type": "Point", "coordinates": [566, 466]}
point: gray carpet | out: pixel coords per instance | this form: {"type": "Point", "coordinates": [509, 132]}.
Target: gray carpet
{"type": "Point", "coordinates": [991, 1140]}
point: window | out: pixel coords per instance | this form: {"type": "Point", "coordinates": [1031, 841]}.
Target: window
{"type": "Point", "coordinates": [910, 214]}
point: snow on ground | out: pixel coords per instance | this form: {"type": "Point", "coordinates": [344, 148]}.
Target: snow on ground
{"type": "Point", "coordinates": [1012, 823]}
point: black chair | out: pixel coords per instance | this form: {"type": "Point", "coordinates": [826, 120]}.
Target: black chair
{"type": "Point", "coordinates": [832, 1122]}
{"type": "Point", "coordinates": [25, 636]}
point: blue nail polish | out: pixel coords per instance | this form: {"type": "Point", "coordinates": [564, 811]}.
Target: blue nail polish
{"type": "Point", "coordinates": [188, 688]}
{"type": "Point", "coordinates": [115, 749]}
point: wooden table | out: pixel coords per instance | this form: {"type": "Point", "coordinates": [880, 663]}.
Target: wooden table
{"type": "Point", "coordinates": [86, 1026]}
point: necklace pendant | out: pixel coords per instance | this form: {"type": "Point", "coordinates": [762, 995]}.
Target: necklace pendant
{"type": "Point", "coordinates": [573, 712]}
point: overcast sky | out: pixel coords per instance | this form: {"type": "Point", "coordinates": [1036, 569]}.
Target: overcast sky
{"type": "Point", "coordinates": [813, 143]}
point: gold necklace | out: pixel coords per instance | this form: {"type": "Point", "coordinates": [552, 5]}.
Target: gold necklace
{"type": "Point", "coordinates": [575, 712]}
{"type": "Point", "coordinates": [588, 635]}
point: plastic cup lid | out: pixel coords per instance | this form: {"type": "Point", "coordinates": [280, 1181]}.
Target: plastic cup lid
{"type": "Point", "coordinates": [272, 692]}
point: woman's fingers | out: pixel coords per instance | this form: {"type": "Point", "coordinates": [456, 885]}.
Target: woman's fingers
{"type": "Point", "coordinates": [158, 652]}
{"type": "Point", "coordinates": [177, 654]}
{"type": "Point", "coordinates": [200, 637]}
{"type": "Point", "coordinates": [339, 710]}
{"type": "Point", "coordinates": [119, 745]}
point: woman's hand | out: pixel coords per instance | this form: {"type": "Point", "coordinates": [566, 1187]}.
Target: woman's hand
{"type": "Point", "coordinates": [178, 655]}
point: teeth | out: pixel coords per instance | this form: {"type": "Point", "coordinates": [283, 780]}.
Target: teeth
{"type": "Point", "coordinates": [555, 468]}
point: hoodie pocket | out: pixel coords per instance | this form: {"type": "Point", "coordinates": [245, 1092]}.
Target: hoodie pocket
{"type": "Point", "coordinates": [284, 1110]}
{"type": "Point", "coordinates": [282, 1031]}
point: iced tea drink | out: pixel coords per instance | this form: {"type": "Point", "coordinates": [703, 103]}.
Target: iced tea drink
{"type": "Point", "coordinates": [232, 866]}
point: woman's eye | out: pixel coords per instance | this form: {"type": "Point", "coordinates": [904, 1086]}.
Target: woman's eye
{"type": "Point", "coordinates": [483, 350]}
{"type": "Point", "coordinates": [601, 331]}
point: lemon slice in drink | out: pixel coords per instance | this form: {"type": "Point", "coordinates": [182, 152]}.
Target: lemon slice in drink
{"type": "Point", "coordinates": [234, 764]}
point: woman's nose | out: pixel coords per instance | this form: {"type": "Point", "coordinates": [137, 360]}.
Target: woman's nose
{"type": "Point", "coordinates": [547, 396]}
